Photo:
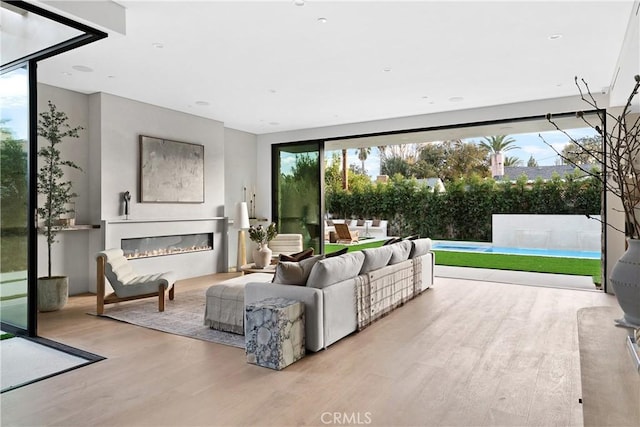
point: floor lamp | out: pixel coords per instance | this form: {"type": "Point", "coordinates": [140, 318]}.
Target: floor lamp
{"type": "Point", "coordinates": [241, 223]}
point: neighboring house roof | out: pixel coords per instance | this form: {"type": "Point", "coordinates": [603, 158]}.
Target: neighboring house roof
{"type": "Point", "coordinates": [543, 172]}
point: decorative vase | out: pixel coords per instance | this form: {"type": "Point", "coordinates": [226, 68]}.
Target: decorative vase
{"type": "Point", "coordinates": [625, 278]}
{"type": "Point", "coordinates": [53, 292]}
{"type": "Point", "coordinates": [262, 255]}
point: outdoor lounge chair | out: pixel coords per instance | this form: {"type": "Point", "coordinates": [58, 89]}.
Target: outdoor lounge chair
{"type": "Point", "coordinates": [344, 234]}
{"type": "Point", "coordinates": [128, 285]}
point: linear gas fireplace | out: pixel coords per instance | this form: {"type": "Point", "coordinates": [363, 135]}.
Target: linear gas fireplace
{"type": "Point", "coordinates": [146, 247]}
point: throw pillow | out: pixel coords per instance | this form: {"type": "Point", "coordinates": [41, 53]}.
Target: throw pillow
{"type": "Point", "coordinates": [376, 258]}
{"type": "Point", "coordinates": [375, 223]}
{"type": "Point", "coordinates": [400, 251]}
{"type": "Point", "coordinates": [420, 247]}
{"type": "Point", "coordinates": [298, 256]}
{"type": "Point", "coordinates": [337, 253]}
{"type": "Point", "coordinates": [295, 273]}
{"type": "Point", "coordinates": [326, 272]}
{"type": "Point", "coordinates": [360, 223]}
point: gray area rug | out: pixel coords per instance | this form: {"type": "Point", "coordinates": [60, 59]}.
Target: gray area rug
{"type": "Point", "coordinates": [182, 316]}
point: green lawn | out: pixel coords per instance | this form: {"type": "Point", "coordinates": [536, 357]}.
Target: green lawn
{"type": "Point", "coordinates": [538, 264]}
{"type": "Point", "coordinates": [363, 244]}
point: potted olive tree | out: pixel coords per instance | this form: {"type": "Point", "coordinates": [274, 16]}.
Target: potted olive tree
{"type": "Point", "coordinates": [53, 126]}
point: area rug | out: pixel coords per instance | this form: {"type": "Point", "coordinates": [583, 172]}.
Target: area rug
{"type": "Point", "coordinates": [182, 316]}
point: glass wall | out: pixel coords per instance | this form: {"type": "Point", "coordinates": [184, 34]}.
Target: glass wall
{"type": "Point", "coordinates": [14, 151]}
{"type": "Point", "coordinates": [299, 202]}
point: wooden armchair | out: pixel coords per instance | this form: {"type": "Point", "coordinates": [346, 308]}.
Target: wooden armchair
{"type": "Point", "coordinates": [128, 285]}
{"type": "Point", "coordinates": [344, 234]}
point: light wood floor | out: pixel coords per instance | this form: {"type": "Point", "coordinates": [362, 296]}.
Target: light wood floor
{"type": "Point", "coordinates": [463, 353]}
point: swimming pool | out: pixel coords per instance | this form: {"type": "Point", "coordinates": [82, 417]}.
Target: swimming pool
{"type": "Point", "coordinates": [487, 248]}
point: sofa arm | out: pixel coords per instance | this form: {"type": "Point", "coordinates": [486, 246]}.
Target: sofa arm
{"type": "Point", "coordinates": [313, 307]}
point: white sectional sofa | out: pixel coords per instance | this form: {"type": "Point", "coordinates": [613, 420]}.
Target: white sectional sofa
{"type": "Point", "coordinates": [361, 226]}
{"type": "Point", "coordinates": [345, 293]}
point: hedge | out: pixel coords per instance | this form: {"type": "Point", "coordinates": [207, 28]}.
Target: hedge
{"type": "Point", "coordinates": [464, 210]}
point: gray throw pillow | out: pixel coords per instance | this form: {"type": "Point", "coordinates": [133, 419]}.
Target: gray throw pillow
{"type": "Point", "coordinates": [401, 251]}
{"type": "Point", "coordinates": [420, 247]}
{"type": "Point", "coordinates": [295, 273]}
{"type": "Point", "coordinates": [376, 258]}
{"type": "Point", "coordinates": [336, 269]}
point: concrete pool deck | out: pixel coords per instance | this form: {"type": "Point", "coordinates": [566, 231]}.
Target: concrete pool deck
{"type": "Point", "coordinates": [563, 281]}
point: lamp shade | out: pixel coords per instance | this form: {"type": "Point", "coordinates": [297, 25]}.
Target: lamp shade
{"type": "Point", "coordinates": [242, 216]}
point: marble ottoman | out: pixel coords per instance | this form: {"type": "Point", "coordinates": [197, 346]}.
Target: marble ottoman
{"type": "Point", "coordinates": [274, 332]}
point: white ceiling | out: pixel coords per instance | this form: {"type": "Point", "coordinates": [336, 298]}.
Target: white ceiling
{"type": "Point", "coordinates": [271, 66]}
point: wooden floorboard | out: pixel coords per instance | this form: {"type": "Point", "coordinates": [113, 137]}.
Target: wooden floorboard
{"type": "Point", "coordinates": [463, 353]}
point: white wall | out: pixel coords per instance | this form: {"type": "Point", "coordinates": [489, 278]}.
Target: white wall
{"type": "Point", "coordinates": [122, 121]}
{"type": "Point", "coordinates": [563, 232]}
{"type": "Point", "coordinates": [240, 163]}
{"type": "Point", "coordinates": [108, 152]}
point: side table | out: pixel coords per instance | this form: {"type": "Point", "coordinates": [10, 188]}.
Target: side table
{"type": "Point", "coordinates": [274, 332]}
{"type": "Point", "coordinates": [251, 268]}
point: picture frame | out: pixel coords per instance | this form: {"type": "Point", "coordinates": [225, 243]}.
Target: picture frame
{"type": "Point", "coordinates": [171, 171]}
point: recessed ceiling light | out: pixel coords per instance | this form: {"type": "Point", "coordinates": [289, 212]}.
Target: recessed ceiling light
{"type": "Point", "coordinates": [322, 20]}
{"type": "Point", "coordinates": [298, 2]}
{"type": "Point", "coordinates": [66, 73]}
{"type": "Point", "coordinates": [272, 91]}
{"type": "Point", "coordinates": [111, 77]}
{"type": "Point", "coordinates": [274, 123]}
{"type": "Point", "coordinates": [82, 68]}
{"type": "Point", "coordinates": [425, 97]}
{"type": "Point", "coordinates": [456, 99]}
{"type": "Point", "coordinates": [388, 69]}
{"type": "Point", "coordinates": [555, 36]}
{"type": "Point", "coordinates": [202, 103]}
{"type": "Point", "coordinates": [157, 45]}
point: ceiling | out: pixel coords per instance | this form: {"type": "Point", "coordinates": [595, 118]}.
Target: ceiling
{"type": "Point", "coordinates": [271, 66]}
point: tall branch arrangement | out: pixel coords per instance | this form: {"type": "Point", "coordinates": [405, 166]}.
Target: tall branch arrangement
{"type": "Point", "coordinates": [53, 126]}
{"type": "Point", "coordinates": [620, 156]}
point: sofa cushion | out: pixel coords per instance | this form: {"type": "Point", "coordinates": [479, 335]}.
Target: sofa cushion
{"type": "Point", "coordinates": [298, 256]}
{"type": "Point", "coordinates": [420, 247]}
{"type": "Point", "coordinates": [328, 271]}
{"type": "Point", "coordinates": [360, 223]}
{"type": "Point", "coordinates": [337, 253]}
{"type": "Point", "coordinates": [295, 273]}
{"type": "Point", "coordinates": [400, 251]}
{"type": "Point", "coordinates": [375, 223]}
{"type": "Point", "coordinates": [376, 258]}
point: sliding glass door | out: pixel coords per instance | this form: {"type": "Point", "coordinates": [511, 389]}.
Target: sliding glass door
{"type": "Point", "coordinates": [298, 200]}
{"type": "Point", "coordinates": [14, 184]}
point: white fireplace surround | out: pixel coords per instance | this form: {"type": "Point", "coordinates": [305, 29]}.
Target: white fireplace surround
{"type": "Point", "coordinates": [185, 265]}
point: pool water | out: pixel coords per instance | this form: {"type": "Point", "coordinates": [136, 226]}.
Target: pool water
{"type": "Point", "coordinates": [469, 247]}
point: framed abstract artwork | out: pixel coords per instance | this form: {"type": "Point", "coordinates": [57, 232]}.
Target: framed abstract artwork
{"type": "Point", "coordinates": [171, 171]}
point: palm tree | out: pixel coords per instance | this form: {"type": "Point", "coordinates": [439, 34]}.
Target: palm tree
{"type": "Point", "coordinates": [498, 143]}
{"type": "Point", "coordinates": [512, 161]}
{"type": "Point", "coordinates": [363, 153]}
